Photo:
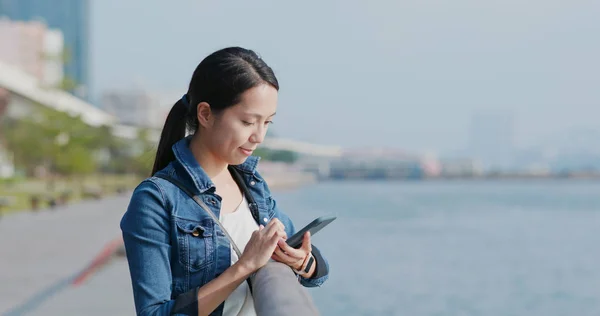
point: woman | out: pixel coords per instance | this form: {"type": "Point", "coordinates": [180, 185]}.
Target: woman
{"type": "Point", "coordinates": [180, 261]}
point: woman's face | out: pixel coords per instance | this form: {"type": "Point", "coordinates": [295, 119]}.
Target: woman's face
{"type": "Point", "coordinates": [235, 133]}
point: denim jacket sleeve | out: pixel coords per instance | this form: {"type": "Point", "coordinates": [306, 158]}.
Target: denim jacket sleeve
{"type": "Point", "coordinates": [146, 234]}
{"type": "Point", "coordinates": [322, 265]}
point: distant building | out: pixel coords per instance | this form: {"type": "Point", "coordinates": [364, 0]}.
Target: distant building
{"type": "Point", "coordinates": [25, 95]}
{"type": "Point", "coordinates": [72, 18]}
{"type": "Point", "coordinates": [461, 168]}
{"type": "Point", "coordinates": [381, 164]}
{"type": "Point", "coordinates": [34, 48]}
{"type": "Point", "coordinates": [491, 138]}
{"type": "Point", "coordinates": [135, 107]}
{"type": "Point", "coordinates": [432, 167]}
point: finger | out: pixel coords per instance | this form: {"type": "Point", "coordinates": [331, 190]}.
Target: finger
{"type": "Point", "coordinates": [275, 257]}
{"type": "Point", "coordinates": [274, 221]}
{"type": "Point", "coordinates": [273, 228]}
{"type": "Point", "coordinates": [281, 226]}
{"type": "Point", "coordinates": [306, 245]}
{"type": "Point", "coordinates": [272, 224]}
{"type": "Point", "coordinates": [282, 235]}
{"type": "Point", "coordinates": [284, 257]}
{"type": "Point", "coordinates": [296, 254]}
{"type": "Point", "coordinates": [273, 239]}
{"type": "Point", "coordinates": [278, 223]}
{"type": "Point", "coordinates": [269, 244]}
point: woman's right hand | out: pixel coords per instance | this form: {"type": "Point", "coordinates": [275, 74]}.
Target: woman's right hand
{"type": "Point", "coordinates": [262, 244]}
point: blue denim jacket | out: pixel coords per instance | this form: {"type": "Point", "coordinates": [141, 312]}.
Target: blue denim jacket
{"type": "Point", "coordinates": [173, 247]}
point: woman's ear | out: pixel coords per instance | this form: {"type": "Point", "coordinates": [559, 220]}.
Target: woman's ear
{"type": "Point", "coordinates": [205, 115]}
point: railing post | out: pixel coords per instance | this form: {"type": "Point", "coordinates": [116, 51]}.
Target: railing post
{"type": "Point", "coordinates": [276, 291]}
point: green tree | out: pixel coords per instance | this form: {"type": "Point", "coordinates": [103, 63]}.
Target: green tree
{"type": "Point", "coordinates": [75, 160]}
{"type": "Point", "coordinates": [62, 143]}
{"type": "Point", "coordinates": [67, 84]}
{"type": "Point", "coordinates": [286, 156]}
{"type": "Point", "coordinates": [30, 143]}
{"type": "Point", "coordinates": [65, 145]}
{"type": "Point", "coordinates": [143, 159]}
{"type": "Point", "coordinates": [263, 153]}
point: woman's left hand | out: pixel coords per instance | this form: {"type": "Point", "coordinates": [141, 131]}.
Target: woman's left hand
{"type": "Point", "coordinates": [295, 258]}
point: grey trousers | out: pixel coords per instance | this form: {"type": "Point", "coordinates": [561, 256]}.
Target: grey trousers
{"type": "Point", "coordinates": [276, 291]}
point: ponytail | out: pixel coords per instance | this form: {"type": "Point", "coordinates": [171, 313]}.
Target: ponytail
{"type": "Point", "coordinates": [173, 131]}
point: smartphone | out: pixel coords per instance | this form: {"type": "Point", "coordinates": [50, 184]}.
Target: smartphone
{"type": "Point", "coordinates": [314, 226]}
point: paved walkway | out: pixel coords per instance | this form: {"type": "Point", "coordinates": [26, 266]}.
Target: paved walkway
{"type": "Point", "coordinates": [41, 252]}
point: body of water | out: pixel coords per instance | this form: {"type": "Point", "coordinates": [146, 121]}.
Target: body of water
{"type": "Point", "coordinates": [456, 248]}
{"type": "Point", "coordinates": [428, 249]}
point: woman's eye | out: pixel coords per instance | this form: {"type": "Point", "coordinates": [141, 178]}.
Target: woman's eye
{"type": "Point", "coordinates": [247, 123]}
{"type": "Point", "coordinates": [268, 122]}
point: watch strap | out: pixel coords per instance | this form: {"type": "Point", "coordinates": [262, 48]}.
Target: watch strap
{"type": "Point", "coordinates": [311, 260]}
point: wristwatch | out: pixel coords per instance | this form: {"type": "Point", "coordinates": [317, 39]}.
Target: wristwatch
{"type": "Point", "coordinates": [311, 260]}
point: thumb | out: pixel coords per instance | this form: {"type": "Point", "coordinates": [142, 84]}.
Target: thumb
{"type": "Point", "coordinates": [306, 242]}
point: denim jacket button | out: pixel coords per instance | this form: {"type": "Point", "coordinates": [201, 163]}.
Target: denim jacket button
{"type": "Point", "coordinates": [252, 183]}
{"type": "Point", "coordinates": [195, 233]}
{"type": "Point", "coordinates": [265, 219]}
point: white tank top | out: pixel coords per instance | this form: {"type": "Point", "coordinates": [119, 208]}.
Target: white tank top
{"type": "Point", "coordinates": [240, 225]}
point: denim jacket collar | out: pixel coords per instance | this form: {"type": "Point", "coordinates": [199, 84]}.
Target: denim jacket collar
{"type": "Point", "coordinates": [186, 159]}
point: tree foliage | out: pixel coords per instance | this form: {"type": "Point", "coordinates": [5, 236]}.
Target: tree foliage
{"type": "Point", "coordinates": [65, 145]}
{"type": "Point", "coordinates": [286, 156]}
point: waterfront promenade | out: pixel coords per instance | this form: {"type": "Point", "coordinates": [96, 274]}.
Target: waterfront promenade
{"type": "Point", "coordinates": [43, 253]}
{"type": "Point", "coordinates": [45, 257]}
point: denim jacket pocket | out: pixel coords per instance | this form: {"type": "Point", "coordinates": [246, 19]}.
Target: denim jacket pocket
{"type": "Point", "coordinates": [195, 241]}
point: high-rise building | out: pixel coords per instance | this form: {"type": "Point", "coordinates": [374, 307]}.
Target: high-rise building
{"type": "Point", "coordinates": [33, 48]}
{"type": "Point", "coordinates": [491, 138]}
{"type": "Point", "coordinates": [71, 17]}
{"type": "Point", "coordinates": [134, 107]}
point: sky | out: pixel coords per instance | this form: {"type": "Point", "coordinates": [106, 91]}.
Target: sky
{"type": "Point", "coordinates": [400, 74]}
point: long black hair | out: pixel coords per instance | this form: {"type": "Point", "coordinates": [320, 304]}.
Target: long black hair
{"type": "Point", "coordinates": [219, 80]}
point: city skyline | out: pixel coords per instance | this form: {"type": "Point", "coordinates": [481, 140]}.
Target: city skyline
{"type": "Point", "coordinates": [72, 18]}
{"type": "Point", "coordinates": [407, 76]}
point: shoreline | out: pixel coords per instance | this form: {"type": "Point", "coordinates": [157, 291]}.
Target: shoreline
{"type": "Point", "coordinates": [289, 180]}
{"type": "Point", "coordinates": [467, 178]}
